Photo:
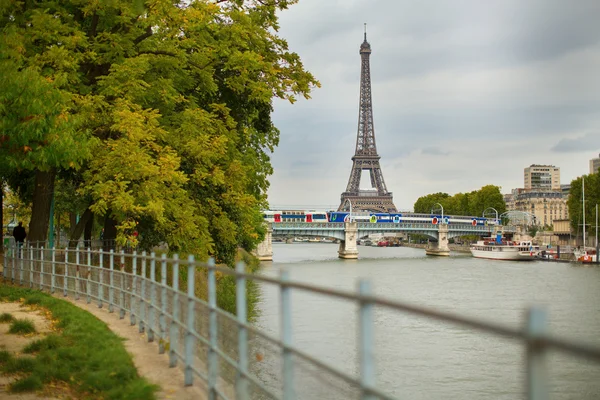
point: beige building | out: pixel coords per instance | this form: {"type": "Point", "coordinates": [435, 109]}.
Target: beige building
{"type": "Point", "coordinates": [594, 165]}
{"type": "Point", "coordinates": [546, 205]}
{"type": "Point", "coordinates": [542, 177]}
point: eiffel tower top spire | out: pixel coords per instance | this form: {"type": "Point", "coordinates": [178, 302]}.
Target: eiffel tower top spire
{"type": "Point", "coordinates": [365, 156]}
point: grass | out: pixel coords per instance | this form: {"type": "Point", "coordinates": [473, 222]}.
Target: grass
{"type": "Point", "coordinates": [6, 317]}
{"type": "Point", "coordinates": [21, 327]}
{"type": "Point", "coordinates": [84, 355]}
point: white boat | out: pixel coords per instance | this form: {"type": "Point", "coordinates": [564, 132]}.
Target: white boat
{"type": "Point", "coordinates": [585, 255]}
{"type": "Point", "coordinates": [494, 249]}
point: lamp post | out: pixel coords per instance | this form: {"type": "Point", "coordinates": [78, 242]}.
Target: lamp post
{"type": "Point", "coordinates": [490, 208]}
{"type": "Point", "coordinates": [442, 207]}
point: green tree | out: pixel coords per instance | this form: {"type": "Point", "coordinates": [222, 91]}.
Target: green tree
{"type": "Point", "coordinates": [473, 203]}
{"type": "Point", "coordinates": [167, 107]}
{"type": "Point", "coordinates": [592, 197]}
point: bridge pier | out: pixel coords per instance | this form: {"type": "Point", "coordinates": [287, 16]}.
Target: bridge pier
{"type": "Point", "coordinates": [264, 250]}
{"type": "Point", "coordinates": [441, 247]}
{"type": "Point", "coordinates": [348, 248]}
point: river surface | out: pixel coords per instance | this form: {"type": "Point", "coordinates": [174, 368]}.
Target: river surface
{"type": "Point", "coordinates": [417, 358]}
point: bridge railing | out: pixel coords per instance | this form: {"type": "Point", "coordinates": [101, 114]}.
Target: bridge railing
{"type": "Point", "coordinates": [162, 297]}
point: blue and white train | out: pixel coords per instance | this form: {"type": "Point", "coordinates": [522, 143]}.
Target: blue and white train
{"type": "Point", "coordinates": [344, 216]}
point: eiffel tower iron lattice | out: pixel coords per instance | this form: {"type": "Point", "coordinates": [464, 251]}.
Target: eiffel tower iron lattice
{"type": "Point", "coordinates": [365, 156]}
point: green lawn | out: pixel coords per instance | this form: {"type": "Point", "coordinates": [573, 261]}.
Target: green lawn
{"type": "Point", "coordinates": [83, 354]}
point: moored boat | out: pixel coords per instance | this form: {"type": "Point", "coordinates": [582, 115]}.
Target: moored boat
{"type": "Point", "coordinates": [585, 255]}
{"type": "Point", "coordinates": [500, 249]}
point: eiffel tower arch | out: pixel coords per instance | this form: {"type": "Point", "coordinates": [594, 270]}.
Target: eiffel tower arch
{"type": "Point", "coordinates": [365, 156]}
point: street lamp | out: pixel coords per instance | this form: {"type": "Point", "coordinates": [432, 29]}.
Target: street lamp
{"type": "Point", "coordinates": [442, 207]}
{"type": "Point", "coordinates": [490, 208]}
{"type": "Point", "coordinates": [349, 215]}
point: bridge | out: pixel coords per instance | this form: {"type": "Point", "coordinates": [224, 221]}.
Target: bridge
{"type": "Point", "coordinates": [349, 232]}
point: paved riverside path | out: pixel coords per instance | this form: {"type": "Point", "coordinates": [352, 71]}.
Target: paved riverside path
{"type": "Point", "coordinates": [151, 365]}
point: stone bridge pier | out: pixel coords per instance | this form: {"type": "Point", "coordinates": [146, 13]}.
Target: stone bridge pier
{"type": "Point", "coordinates": [439, 248]}
{"type": "Point", "coordinates": [348, 248]}
{"type": "Point", "coordinates": [264, 250]}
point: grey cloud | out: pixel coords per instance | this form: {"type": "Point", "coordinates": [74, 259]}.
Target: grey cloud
{"type": "Point", "coordinates": [590, 141]}
{"type": "Point", "coordinates": [435, 151]}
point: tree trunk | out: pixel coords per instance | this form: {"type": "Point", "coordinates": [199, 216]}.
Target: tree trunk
{"type": "Point", "coordinates": [72, 223]}
{"type": "Point", "coordinates": [40, 209]}
{"type": "Point", "coordinates": [87, 232]}
{"type": "Point", "coordinates": [76, 233]}
{"type": "Point", "coordinates": [1, 217]}
{"type": "Point", "coordinates": [110, 232]}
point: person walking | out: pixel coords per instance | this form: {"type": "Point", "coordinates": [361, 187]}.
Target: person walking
{"type": "Point", "coordinates": [19, 234]}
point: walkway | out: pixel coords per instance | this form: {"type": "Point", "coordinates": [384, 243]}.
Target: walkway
{"type": "Point", "coordinates": [151, 365]}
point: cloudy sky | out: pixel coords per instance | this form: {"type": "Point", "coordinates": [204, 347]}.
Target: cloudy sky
{"type": "Point", "coordinates": [465, 93]}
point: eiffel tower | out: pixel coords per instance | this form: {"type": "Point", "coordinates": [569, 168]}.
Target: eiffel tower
{"type": "Point", "coordinates": [365, 156]}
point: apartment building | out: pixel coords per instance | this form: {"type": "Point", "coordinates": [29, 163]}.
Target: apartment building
{"type": "Point", "coordinates": [542, 177]}
{"type": "Point", "coordinates": [595, 165]}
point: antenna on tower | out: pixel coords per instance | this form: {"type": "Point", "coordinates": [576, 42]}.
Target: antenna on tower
{"type": "Point", "coordinates": [365, 31]}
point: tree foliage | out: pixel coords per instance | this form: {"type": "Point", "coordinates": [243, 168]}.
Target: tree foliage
{"type": "Point", "coordinates": [161, 110]}
{"type": "Point", "coordinates": [575, 201]}
{"type": "Point", "coordinates": [473, 203]}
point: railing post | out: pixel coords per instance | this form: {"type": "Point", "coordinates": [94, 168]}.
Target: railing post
{"type": "Point", "coordinates": [66, 272]}
{"type": "Point", "coordinates": [213, 359]}
{"type": "Point", "coordinates": [53, 276]}
{"type": "Point", "coordinates": [162, 323]}
{"type": "Point", "coordinates": [191, 327]}
{"type": "Point", "coordinates": [241, 381]}
{"type": "Point", "coordinates": [123, 287]}
{"type": "Point", "coordinates": [152, 288]}
{"type": "Point", "coordinates": [31, 266]}
{"type": "Point", "coordinates": [42, 268]}
{"type": "Point", "coordinates": [133, 302]}
{"type": "Point", "coordinates": [77, 282]}
{"type": "Point", "coordinates": [537, 373]}
{"type": "Point", "coordinates": [143, 295]}
{"type": "Point", "coordinates": [88, 284]}
{"type": "Point", "coordinates": [174, 328]}
{"type": "Point", "coordinates": [21, 263]}
{"type": "Point", "coordinates": [366, 339]}
{"type": "Point", "coordinates": [100, 277]}
{"type": "Point", "coordinates": [111, 277]}
{"type": "Point", "coordinates": [15, 255]}
{"type": "Point", "coordinates": [286, 337]}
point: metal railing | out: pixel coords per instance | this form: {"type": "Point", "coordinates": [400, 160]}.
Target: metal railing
{"type": "Point", "coordinates": [213, 345]}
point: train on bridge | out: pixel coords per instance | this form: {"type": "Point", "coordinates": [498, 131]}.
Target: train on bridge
{"type": "Point", "coordinates": [344, 216]}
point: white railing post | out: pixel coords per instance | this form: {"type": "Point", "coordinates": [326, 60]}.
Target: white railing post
{"type": "Point", "coordinates": [100, 277]}
{"type": "Point", "coordinates": [123, 287]}
{"type": "Point", "coordinates": [241, 381]}
{"type": "Point", "coordinates": [88, 284]}
{"type": "Point", "coordinates": [174, 328]}
{"type": "Point", "coordinates": [191, 323]}
{"type": "Point", "coordinates": [53, 276]}
{"type": "Point", "coordinates": [42, 268]}
{"type": "Point", "coordinates": [213, 359]}
{"type": "Point", "coordinates": [152, 288]}
{"type": "Point", "coordinates": [162, 323]}
{"type": "Point", "coordinates": [111, 283]}
{"type": "Point", "coordinates": [133, 302]}
{"type": "Point", "coordinates": [286, 337]}
{"type": "Point", "coordinates": [31, 266]}
{"type": "Point", "coordinates": [77, 275]}
{"type": "Point", "coordinates": [537, 374]}
{"type": "Point", "coordinates": [365, 344]}
{"type": "Point", "coordinates": [66, 273]}
{"type": "Point", "coordinates": [141, 327]}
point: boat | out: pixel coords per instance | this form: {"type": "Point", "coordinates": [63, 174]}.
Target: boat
{"type": "Point", "coordinates": [586, 254]}
{"type": "Point", "coordinates": [500, 249]}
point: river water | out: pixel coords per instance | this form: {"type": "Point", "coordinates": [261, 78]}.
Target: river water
{"type": "Point", "coordinates": [417, 358]}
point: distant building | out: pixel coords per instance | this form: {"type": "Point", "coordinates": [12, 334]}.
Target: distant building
{"type": "Point", "coordinates": [546, 205]}
{"type": "Point", "coordinates": [565, 189]}
{"type": "Point", "coordinates": [595, 165]}
{"type": "Point", "coordinates": [542, 177]}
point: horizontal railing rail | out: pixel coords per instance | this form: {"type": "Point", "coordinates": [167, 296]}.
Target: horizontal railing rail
{"type": "Point", "coordinates": [213, 345]}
